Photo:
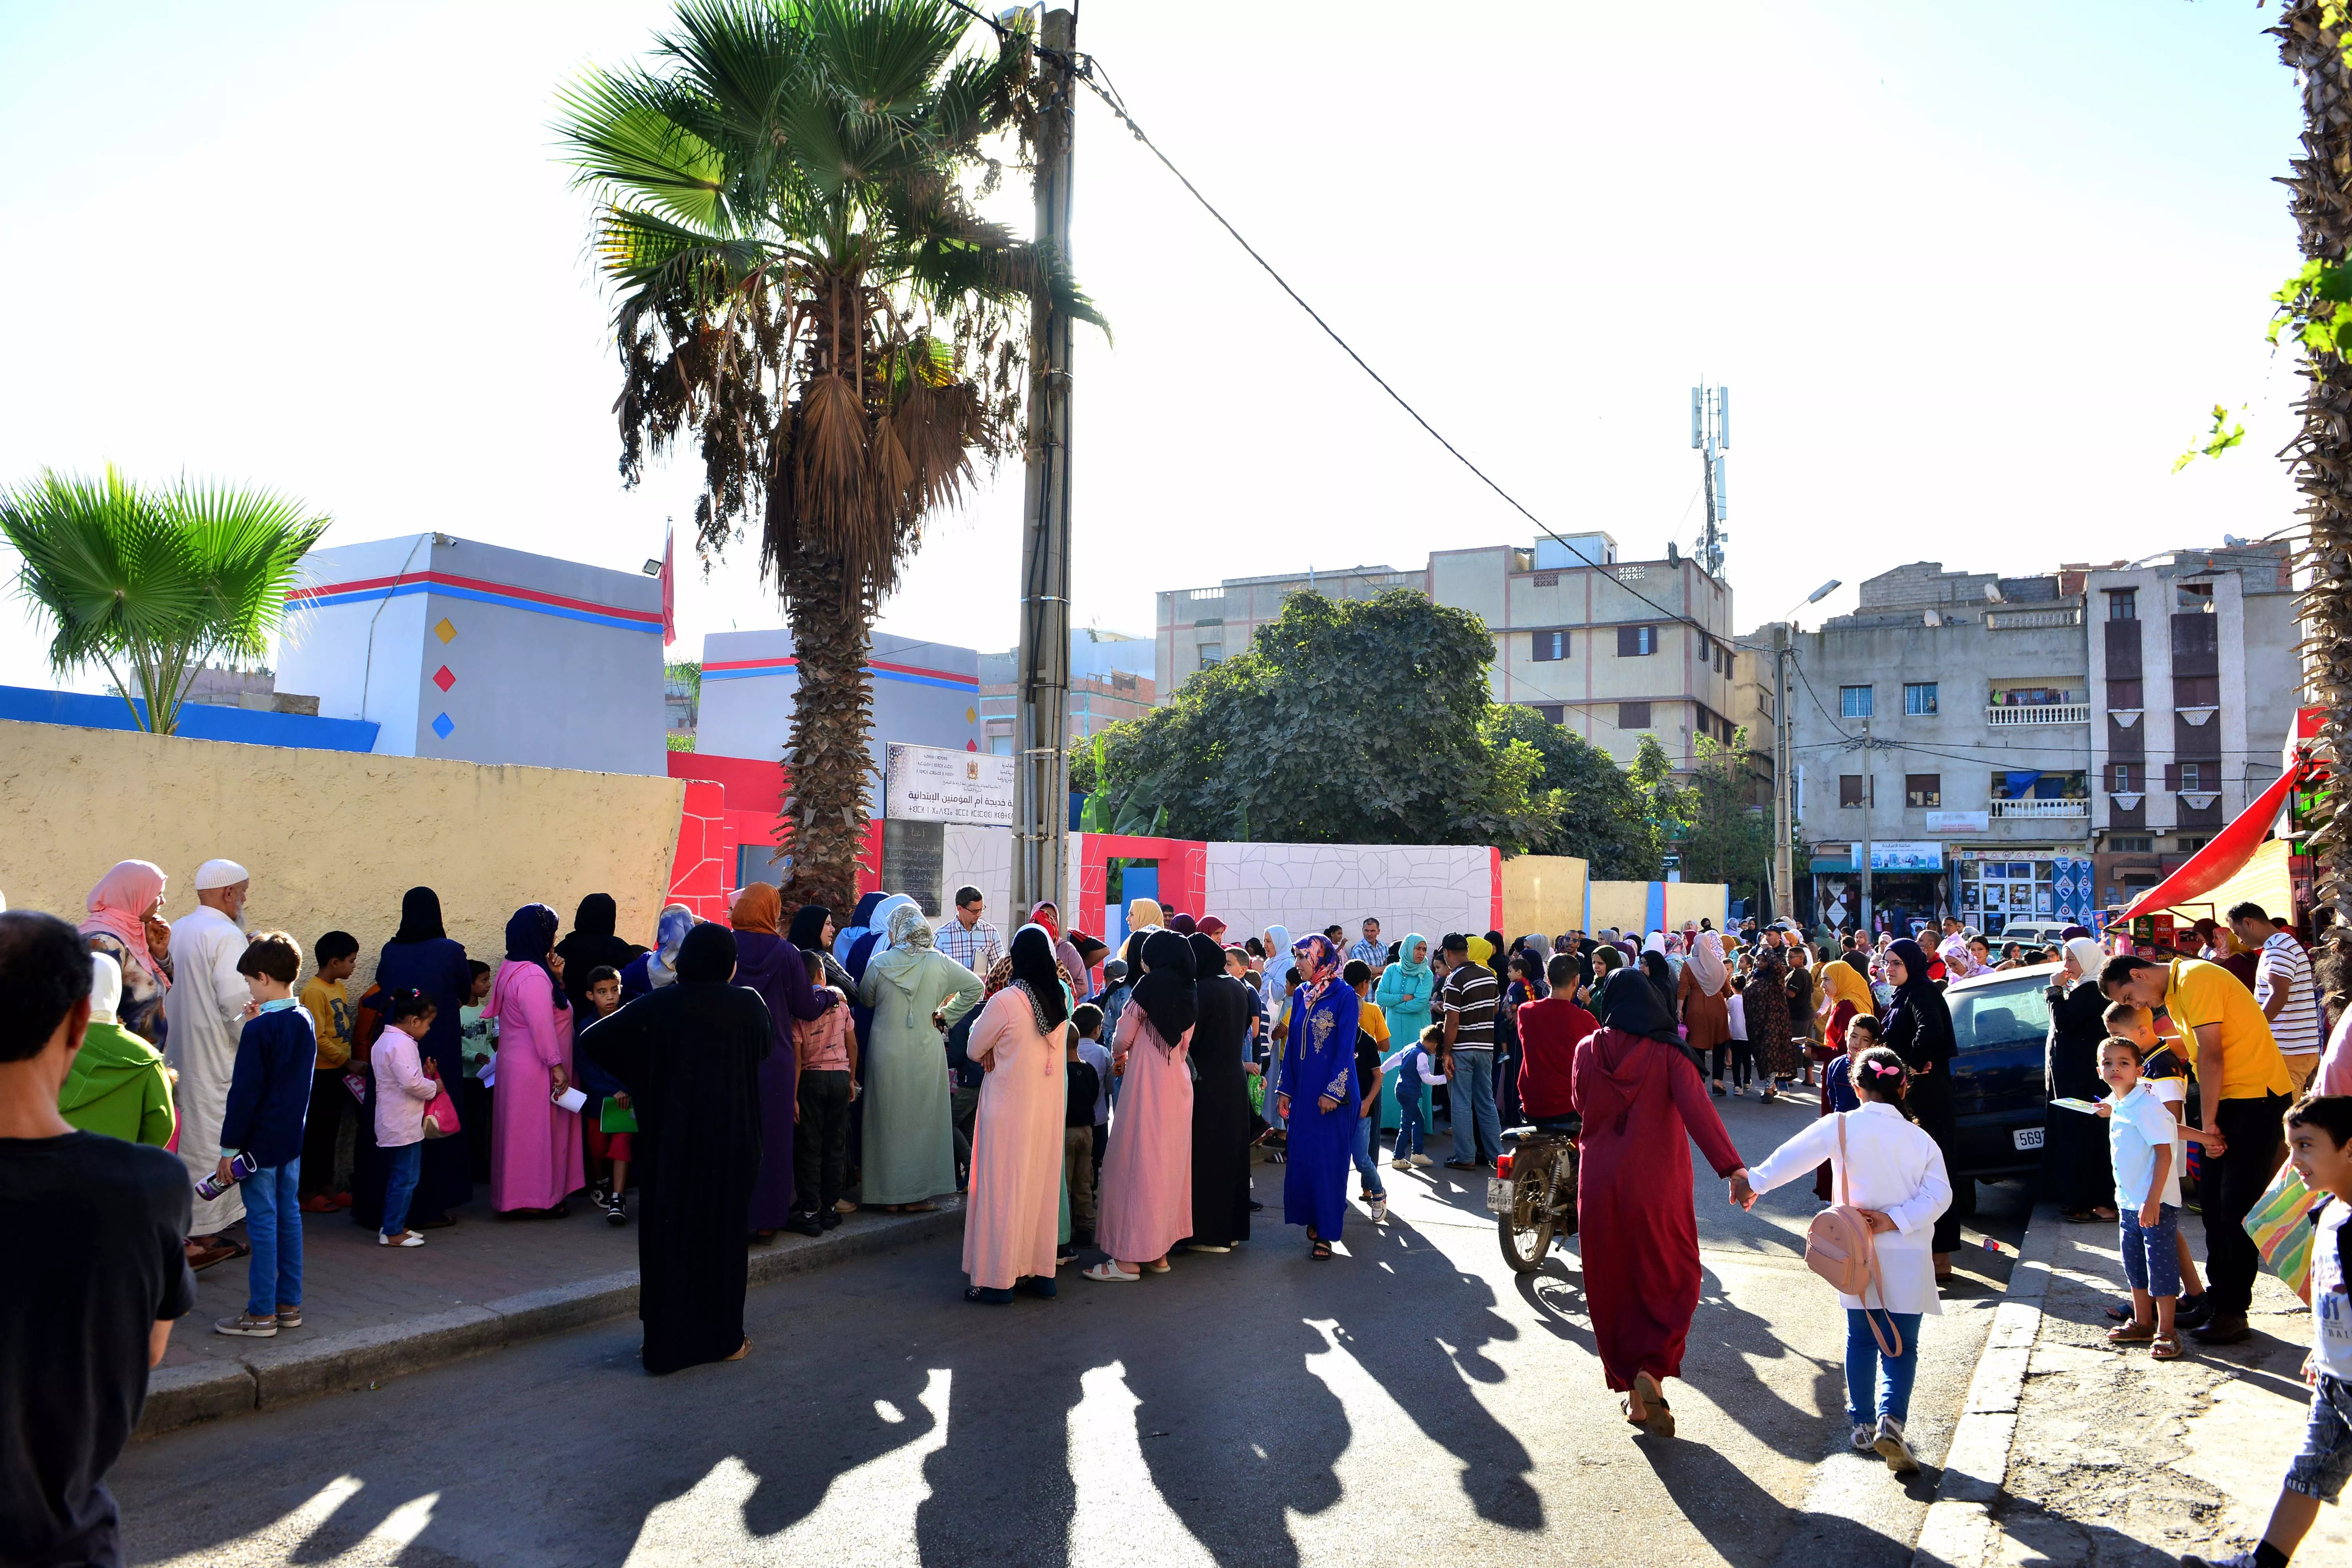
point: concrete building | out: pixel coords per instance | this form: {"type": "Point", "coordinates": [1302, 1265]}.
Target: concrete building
{"type": "Point", "coordinates": [1111, 680]}
{"type": "Point", "coordinates": [927, 693]}
{"type": "Point", "coordinates": [2005, 741]}
{"type": "Point", "coordinates": [1612, 650]}
{"type": "Point", "coordinates": [463, 650]}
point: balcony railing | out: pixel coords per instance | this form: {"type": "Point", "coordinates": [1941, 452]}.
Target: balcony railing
{"type": "Point", "coordinates": [2038, 714]}
{"type": "Point", "coordinates": [2040, 808]}
{"type": "Point", "coordinates": [2033, 620]}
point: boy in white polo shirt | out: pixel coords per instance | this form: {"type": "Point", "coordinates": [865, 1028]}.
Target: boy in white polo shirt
{"type": "Point", "coordinates": [2148, 1200]}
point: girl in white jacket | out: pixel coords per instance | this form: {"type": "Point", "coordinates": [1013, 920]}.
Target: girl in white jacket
{"type": "Point", "coordinates": [1894, 1173]}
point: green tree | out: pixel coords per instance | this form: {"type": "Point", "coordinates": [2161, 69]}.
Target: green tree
{"type": "Point", "coordinates": [786, 208]}
{"type": "Point", "coordinates": [1605, 819]}
{"type": "Point", "coordinates": [151, 583]}
{"type": "Point", "coordinates": [1344, 721]}
{"type": "Point", "coordinates": [1719, 834]}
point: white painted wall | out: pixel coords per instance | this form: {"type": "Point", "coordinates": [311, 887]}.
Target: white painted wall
{"type": "Point", "coordinates": [1428, 889]}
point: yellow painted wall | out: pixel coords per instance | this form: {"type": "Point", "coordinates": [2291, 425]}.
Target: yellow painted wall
{"type": "Point", "coordinates": [1542, 893]}
{"type": "Point", "coordinates": [1697, 902]}
{"type": "Point", "coordinates": [1624, 905]}
{"type": "Point", "coordinates": [332, 838]}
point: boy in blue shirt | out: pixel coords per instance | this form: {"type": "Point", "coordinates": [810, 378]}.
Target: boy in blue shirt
{"type": "Point", "coordinates": [269, 1104]}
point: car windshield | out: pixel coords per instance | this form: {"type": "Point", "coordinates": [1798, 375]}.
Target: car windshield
{"type": "Point", "coordinates": [2003, 1012]}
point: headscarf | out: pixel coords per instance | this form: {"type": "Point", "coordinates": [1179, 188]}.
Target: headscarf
{"type": "Point", "coordinates": [909, 929]}
{"type": "Point", "coordinates": [808, 924]}
{"type": "Point", "coordinates": [759, 907]}
{"type": "Point", "coordinates": [1661, 976]}
{"type": "Point", "coordinates": [1673, 944]}
{"type": "Point", "coordinates": [1404, 957]}
{"type": "Point", "coordinates": [1481, 949]}
{"type": "Point", "coordinates": [119, 906]}
{"type": "Point", "coordinates": [1182, 925]}
{"type": "Point", "coordinates": [1915, 969]}
{"type": "Point", "coordinates": [1707, 966]}
{"type": "Point", "coordinates": [1051, 924]}
{"type": "Point", "coordinates": [420, 918]}
{"type": "Point", "coordinates": [884, 920]}
{"type": "Point", "coordinates": [1277, 960]}
{"type": "Point", "coordinates": [1318, 962]}
{"type": "Point", "coordinates": [2087, 955]}
{"type": "Point", "coordinates": [707, 957]}
{"type": "Point", "coordinates": [1212, 927]}
{"type": "Point", "coordinates": [1630, 1004]}
{"type": "Point", "coordinates": [1656, 943]}
{"type": "Point", "coordinates": [846, 937]}
{"type": "Point", "coordinates": [1208, 958]}
{"type": "Point", "coordinates": [105, 988]}
{"type": "Point", "coordinates": [1165, 992]}
{"type": "Point", "coordinates": [669, 935]}
{"type": "Point", "coordinates": [1143, 914]}
{"type": "Point", "coordinates": [597, 915]}
{"type": "Point", "coordinates": [1860, 961]}
{"type": "Point", "coordinates": [530, 936]}
{"type": "Point", "coordinates": [1037, 975]}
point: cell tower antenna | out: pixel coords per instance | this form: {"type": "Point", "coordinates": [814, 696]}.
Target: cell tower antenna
{"type": "Point", "coordinates": [1710, 436]}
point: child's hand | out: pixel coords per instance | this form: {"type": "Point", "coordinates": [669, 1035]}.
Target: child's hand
{"type": "Point", "coordinates": [223, 1172]}
{"type": "Point", "coordinates": [2311, 1369]}
{"type": "Point", "coordinates": [1282, 1105]}
{"type": "Point", "coordinates": [252, 1010]}
{"type": "Point", "coordinates": [623, 1101]}
{"type": "Point", "coordinates": [2103, 1109]}
{"type": "Point", "coordinates": [1879, 1223]}
{"type": "Point", "coordinates": [2151, 1214]}
{"type": "Point", "coordinates": [1253, 1069]}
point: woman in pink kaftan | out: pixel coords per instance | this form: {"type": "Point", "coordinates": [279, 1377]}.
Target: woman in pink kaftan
{"type": "Point", "coordinates": [1146, 1201]}
{"type": "Point", "coordinates": [1013, 1215]}
{"type": "Point", "coordinates": [535, 1143]}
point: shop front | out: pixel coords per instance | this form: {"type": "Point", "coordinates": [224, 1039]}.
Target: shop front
{"type": "Point", "coordinates": [2023, 882]}
{"type": "Point", "coordinates": [1909, 885]}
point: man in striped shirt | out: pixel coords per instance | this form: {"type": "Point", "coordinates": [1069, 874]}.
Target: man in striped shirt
{"type": "Point", "coordinates": [1372, 953]}
{"type": "Point", "coordinates": [968, 939]}
{"type": "Point", "coordinates": [2283, 987]}
{"type": "Point", "coordinates": [1470, 998]}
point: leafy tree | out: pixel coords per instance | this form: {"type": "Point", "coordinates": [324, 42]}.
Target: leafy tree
{"type": "Point", "coordinates": [785, 204]}
{"type": "Point", "coordinates": [1606, 818]}
{"type": "Point", "coordinates": [151, 583]}
{"type": "Point", "coordinates": [1344, 721]}
{"type": "Point", "coordinates": [1719, 834]}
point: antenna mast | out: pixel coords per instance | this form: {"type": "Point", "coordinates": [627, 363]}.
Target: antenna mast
{"type": "Point", "coordinates": [1710, 436]}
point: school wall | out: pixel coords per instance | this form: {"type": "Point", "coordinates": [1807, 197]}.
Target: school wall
{"type": "Point", "coordinates": [1432, 889]}
{"type": "Point", "coordinates": [1697, 902]}
{"type": "Point", "coordinates": [1543, 893]}
{"type": "Point", "coordinates": [332, 838]}
{"type": "Point", "coordinates": [1639, 908]}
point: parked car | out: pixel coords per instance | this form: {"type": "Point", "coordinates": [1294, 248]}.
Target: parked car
{"type": "Point", "coordinates": [2000, 1023]}
{"type": "Point", "coordinates": [2034, 933]}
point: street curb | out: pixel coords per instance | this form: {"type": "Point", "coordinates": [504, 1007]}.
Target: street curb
{"type": "Point", "coordinates": [1960, 1531]}
{"type": "Point", "coordinates": [277, 1373]}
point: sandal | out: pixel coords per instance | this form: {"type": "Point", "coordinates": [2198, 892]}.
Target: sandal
{"type": "Point", "coordinates": [2077, 1217]}
{"type": "Point", "coordinates": [1321, 1251]}
{"type": "Point", "coordinates": [1107, 1272]}
{"type": "Point", "coordinates": [2133, 1334]}
{"type": "Point", "coordinates": [1661, 1415]}
{"type": "Point", "coordinates": [2164, 1347]}
{"type": "Point", "coordinates": [740, 1350]}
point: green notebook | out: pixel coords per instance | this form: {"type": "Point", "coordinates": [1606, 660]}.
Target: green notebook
{"type": "Point", "coordinates": [618, 1118]}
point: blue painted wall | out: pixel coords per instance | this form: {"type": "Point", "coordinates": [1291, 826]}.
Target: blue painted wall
{"type": "Point", "coordinates": [198, 721]}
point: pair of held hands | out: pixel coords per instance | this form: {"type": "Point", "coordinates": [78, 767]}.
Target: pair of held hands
{"type": "Point", "coordinates": [1743, 1196]}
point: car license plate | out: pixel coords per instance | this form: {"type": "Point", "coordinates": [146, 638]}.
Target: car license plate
{"type": "Point", "coordinates": [1499, 1193]}
{"type": "Point", "coordinates": [2027, 1137]}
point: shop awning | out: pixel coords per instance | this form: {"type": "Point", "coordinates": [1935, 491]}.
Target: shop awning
{"type": "Point", "coordinates": [2226, 853]}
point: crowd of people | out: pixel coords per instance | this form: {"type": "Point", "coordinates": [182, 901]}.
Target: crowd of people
{"type": "Point", "coordinates": [732, 1079]}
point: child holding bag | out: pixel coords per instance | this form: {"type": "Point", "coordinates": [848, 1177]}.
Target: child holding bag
{"type": "Point", "coordinates": [404, 1085]}
{"type": "Point", "coordinates": [1885, 1165]}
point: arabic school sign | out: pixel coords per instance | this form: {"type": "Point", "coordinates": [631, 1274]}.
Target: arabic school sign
{"type": "Point", "coordinates": [930, 783]}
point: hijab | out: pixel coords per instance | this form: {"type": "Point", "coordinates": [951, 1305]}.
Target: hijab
{"type": "Point", "coordinates": [910, 930]}
{"type": "Point", "coordinates": [1318, 964]}
{"type": "Point", "coordinates": [1653, 965]}
{"type": "Point", "coordinates": [707, 955]}
{"type": "Point", "coordinates": [1208, 958]}
{"type": "Point", "coordinates": [1143, 914]}
{"type": "Point", "coordinates": [669, 935]}
{"type": "Point", "coordinates": [2086, 955]}
{"type": "Point", "coordinates": [886, 922]}
{"type": "Point", "coordinates": [1046, 916]}
{"type": "Point", "coordinates": [846, 937]}
{"type": "Point", "coordinates": [531, 935]}
{"type": "Point", "coordinates": [1706, 964]}
{"type": "Point", "coordinates": [1915, 968]}
{"type": "Point", "coordinates": [1212, 927]}
{"type": "Point", "coordinates": [105, 989]}
{"type": "Point", "coordinates": [1656, 943]}
{"type": "Point", "coordinates": [1037, 975]}
{"type": "Point", "coordinates": [1404, 959]}
{"type": "Point", "coordinates": [119, 906]}
{"type": "Point", "coordinates": [808, 924]}
{"type": "Point", "coordinates": [1182, 925]}
{"type": "Point", "coordinates": [1277, 961]}
{"type": "Point", "coordinates": [1165, 992]}
{"type": "Point", "coordinates": [420, 917]}
{"type": "Point", "coordinates": [758, 908]}
{"type": "Point", "coordinates": [1630, 1004]}
{"type": "Point", "coordinates": [597, 915]}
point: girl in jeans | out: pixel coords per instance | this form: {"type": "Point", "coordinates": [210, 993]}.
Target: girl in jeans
{"type": "Point", "coordinates": [404, 1088]}
{"type": "Point", "coordinates": [1894, 1173]}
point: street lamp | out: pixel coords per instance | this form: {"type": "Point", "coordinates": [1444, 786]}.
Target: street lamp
{"type": "Point", "coordinates": [1784, 884]}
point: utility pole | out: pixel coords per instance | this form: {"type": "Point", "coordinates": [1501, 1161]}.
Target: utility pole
{"type": "Point", "coordinates": [1041, 788]}
{"type": "Point", "coordinates": [1783, 810]}
{"type": "Point", "coordinates": [1862, 861]}
{"type": "Point", "coordinates": [1710, 436]}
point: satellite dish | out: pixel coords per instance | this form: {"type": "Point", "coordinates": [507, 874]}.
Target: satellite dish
{"type": "Point", "coordinates": [1674, 556]}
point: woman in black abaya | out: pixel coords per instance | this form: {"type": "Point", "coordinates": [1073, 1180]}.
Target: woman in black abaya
{"type": "Point", "coordinates": [1919, 1028]}
{"type": "Point", "coordinates": [1221, 1107]}
{"type": "Point", "coordinates": [690, 1055]}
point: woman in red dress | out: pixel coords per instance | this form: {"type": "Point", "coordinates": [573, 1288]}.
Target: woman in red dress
{"type": "Point", "coordinates": [1638, 1093]}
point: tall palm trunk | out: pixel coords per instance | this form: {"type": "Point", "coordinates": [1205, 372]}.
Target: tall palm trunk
{"type": "Point", "coordinates": [2320, 457]}
{"type": "Point", "coordinates": [823, 820]}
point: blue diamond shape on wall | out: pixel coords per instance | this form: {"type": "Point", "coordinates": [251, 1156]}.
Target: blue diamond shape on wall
{"type": "Point", "coordinates": [442, 725]}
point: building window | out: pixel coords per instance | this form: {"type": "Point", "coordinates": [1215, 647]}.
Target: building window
{"type": "Point", "coordinates": [2192, 777]}
{"type": "Point", "coordinates": [1922, 790]}
{"type": "Point", "coordinates": [2123, 604]}
{"type": "Point", "coordinates": [2119, 778]}
{"type": "Point", "coordinates": [2196, 690]}
{"type": "Point", "coordinates": [1920, 699]}
{"type": "Point", "coordinates": [1000, 745]}
{"type": "Point", "coordinates": [2123, 695]}
{"type": "Point", "coordinates": [1636, 642]}
{"type": "Point", "coordinates": [1853, 701]}
{"type": "Point", "coordinates": [1850, 791]}
{"type": "Point", "coordinates": [1633, 715]}
{"type": "Point", "coordinates": [1550, 646]}
{"type": "Point", "coordinates": [2195, 596]}
{"type": "Point", "coordinates": [1212, 655]}
{"type": "Point", "coordinates": [2130, 843]}
{"type": "Point", "coordinates": [1551, 711]}
{"type": "Point", "coordinates": [2189, 846]}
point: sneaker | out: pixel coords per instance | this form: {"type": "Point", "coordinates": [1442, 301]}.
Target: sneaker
{"type": "Point", "coordinates": [1380, 1208]}
{"type": "Point", "coordinates": [245, 1325]}
{"type": "Point", "coordinates": [2195, 1312]}
{"type": "Point", "coordinates": [600, 1191]}
{"type": "Point", "coordinates": [805, 1225]}
{"type": "Point", "coordinates": [617, 1211]}
{"type": "Point", "coordinates": [828, 1221]}
{"type": "Point", "coordinates": [1864, 1437]}
{"type": "Point", "coordinates": [1894, 1447]}
{"type": "Point", "coordinates": [289, 1317]}
{"type": "Point", "coordinates": [1424, 1160]}
{"type": "Point", "coordinates": [1404, 1163]}
{"type": "Point", "coordinates": [406, 1238]}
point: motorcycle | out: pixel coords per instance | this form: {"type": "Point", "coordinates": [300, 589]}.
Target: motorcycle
{"type": "Point", "coordinates": [1532, 1193]}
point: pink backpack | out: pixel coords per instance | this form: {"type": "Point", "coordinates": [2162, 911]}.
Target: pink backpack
{"type": "Point", "coordinates": [1840, 1248]}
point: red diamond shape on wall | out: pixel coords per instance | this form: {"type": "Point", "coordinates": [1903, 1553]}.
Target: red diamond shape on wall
{"type": "Point", "coordinates": [442, 679]}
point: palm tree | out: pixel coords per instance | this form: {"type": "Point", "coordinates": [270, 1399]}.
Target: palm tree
{"type": "Point", "coordinates": [786, 212]}
{"type": "Point", "coordinates": [151, 583]}
{"type": "Point", "coordinates": [2310, 34]}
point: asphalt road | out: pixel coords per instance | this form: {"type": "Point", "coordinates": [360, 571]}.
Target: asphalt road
{"type": "Point", "coordinates": [1411, 1400]}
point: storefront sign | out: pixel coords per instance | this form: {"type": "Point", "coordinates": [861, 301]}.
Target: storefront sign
{"type": "Point", "coordinates": [930, 783]}
{"type": "Point", "coordinates": [1907, 855]}
{"type": "Point", "coordinates": [1958, 821]}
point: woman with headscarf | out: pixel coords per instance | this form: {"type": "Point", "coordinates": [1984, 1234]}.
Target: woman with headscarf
{"type": "Point", "coordinates": [1919, 1028]}
{"type": "Point", "coordinates": [1804, 1026]}
{"type": "Point", "coordinates": [860, 925]}
{"type": "Point", "coordinates": [1706, 998]}
{"type": "Point", "coordinates": [1660, 975]}
{"type": "Point", "coordinates": [126, 923]}
{"type": "Point", "coordinates": [594, 944]}
{"type": "Point", "coordinates": [1012, 1218]}
{"type": "Point", "coordinates": [1221, 1107]}
{"type": "Point", "coordinates": [769, 964]}
{"type": "Point", "coordinates": [1145, 1203]}
{"type": "Point", "coordinates": [1765, 1000]}
{"type": "Point", "coordinates": [1182, 924]}
{"type": "Point", "coordinates": [916, 992]}
{"type": "Point", "coordinates": [1047, 917]}
{"type": "Point", "coordinates": [421, 957]}
{"type": "Point", "coordinates": [1845, 983]}
{"type": "Point", "coordinates": [1404, 994]}
{"type": "Point", "coordinates": [690, 1055]}
{"type": "Point", "coordinates": [657, 965]}
{"type": "Point", "coordinates": [2076, 1154]}
{"type": "Point", "coordinates": [811, 931]}
{"type": "Point", "coordinates": [1322, 1099]}
{"type": "Point", "coordinates": [1642, 1105]}
{"type": "Point", "coordinates": [535, 1151]}
{"type": "Point", "coordinates": [1145, 915]}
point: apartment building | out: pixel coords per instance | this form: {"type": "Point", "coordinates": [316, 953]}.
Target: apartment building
{"type": "Point", "coordinates": [1612, 649]}
{"type": "Point", "coordinates": [1109, 680]}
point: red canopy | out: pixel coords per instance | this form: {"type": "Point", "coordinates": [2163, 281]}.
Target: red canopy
{"type": "Point", "coordinates": [2225, 853]}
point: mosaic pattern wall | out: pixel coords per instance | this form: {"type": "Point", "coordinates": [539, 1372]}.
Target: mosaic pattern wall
{"type": "Point", "coordinates": [1429, 888]}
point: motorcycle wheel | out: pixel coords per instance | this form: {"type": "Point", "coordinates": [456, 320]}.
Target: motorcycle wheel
{"type": "Point", "coordinates": [1526, 1230]}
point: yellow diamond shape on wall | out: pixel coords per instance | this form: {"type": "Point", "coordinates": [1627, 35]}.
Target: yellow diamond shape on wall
{"type": "Point", "coordinates": [445, 631]}
{"type": "Point", "coordinates": [971, 715]}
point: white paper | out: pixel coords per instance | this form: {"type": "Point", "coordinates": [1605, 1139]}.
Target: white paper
{"type": "Point", "coordinates": [571, 1099]}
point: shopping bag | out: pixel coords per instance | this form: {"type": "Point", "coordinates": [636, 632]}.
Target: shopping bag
{"type": "Point", "coordinates": [441, 1115]}
{"type": "Point", "coordinates": [2280, 1224]}
{"type": "Point", "coordinates": [618, 1118]}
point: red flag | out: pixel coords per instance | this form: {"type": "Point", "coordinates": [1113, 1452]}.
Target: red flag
{"type": "Point", "coordinates": [669, 587]}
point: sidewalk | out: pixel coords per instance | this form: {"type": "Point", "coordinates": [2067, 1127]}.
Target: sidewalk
{"type": "Point", "coordinates": [371, 1313]}
{"type": "Point", "coordinates": [2074, 1452]}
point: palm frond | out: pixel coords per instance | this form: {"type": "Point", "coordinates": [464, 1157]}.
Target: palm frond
{"type": "Point", "coordinates": [623, 134]}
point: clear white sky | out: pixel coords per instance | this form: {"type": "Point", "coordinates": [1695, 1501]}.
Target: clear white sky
{"type": "Point", "coordinates": [1974, 273]}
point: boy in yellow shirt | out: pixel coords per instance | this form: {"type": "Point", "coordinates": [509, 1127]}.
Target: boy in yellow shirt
{"type": "Point", "coordinates": [330, 1006]}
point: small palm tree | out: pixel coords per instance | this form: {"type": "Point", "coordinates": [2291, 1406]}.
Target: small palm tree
{"type": "Point", "coordinates": [152, 584]}
{"type": "Point", "coordinates": [785, 208]}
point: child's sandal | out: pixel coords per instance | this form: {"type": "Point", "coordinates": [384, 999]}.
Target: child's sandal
{"type": "Point", "coordinates": [2133, 1334]}
{"type": "Point", "coordinates": [2164, 1347]}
